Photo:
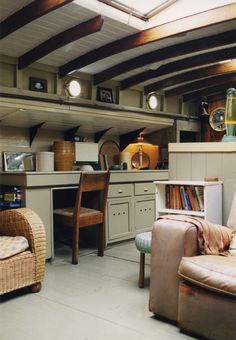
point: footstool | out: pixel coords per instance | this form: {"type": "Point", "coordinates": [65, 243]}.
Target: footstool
{"type": "Point", "coordinates": [143, 244]}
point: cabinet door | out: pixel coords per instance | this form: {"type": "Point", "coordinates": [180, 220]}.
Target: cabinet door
{"type": "Point", "coordinates": [119, 219]}
{"type": "Point", "coordinates": [144, 213]}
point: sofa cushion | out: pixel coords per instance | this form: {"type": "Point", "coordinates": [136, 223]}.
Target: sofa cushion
{"type": "Point", "coordinates": [216, 273]}
{"type": "Point", "coordinates": [12, 245]}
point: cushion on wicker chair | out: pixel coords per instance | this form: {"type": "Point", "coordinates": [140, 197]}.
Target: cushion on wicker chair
{"type": "Point", "coordinates": [12, 245]}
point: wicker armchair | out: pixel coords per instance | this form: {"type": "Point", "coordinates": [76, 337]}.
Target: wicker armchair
{"type": "Point", "coordinates": [26, 269]}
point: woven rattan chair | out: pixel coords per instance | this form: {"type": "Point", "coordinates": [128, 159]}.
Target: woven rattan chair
{"type": "Point", "coordinates": [26, 269]}
{"type": "Point", "coordinates": [87, 215]}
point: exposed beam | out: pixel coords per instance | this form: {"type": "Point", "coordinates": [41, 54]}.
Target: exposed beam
{"type": "Point", "coordinates": [61, 39]}
{"type": "Point", "coordinates": [221, 79]}
{"type": "Point", "coordinates": [198, 60]}
{"type": "Point", "coordinates": [25, 15]}
{"type": "Point", "coordinates": [202, 72]}
{"type": "Point", "coordinates": [171, 29]}
{"type": "Point", "coordinates": [191, 46]}
{"type": "Point", "coordinates": [208, 91]}
{"type": "Point", "coordinates": [216, 97]}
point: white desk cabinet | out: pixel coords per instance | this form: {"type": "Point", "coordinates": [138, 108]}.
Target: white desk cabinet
{"type": "Point", "coordinates": [130, 206]}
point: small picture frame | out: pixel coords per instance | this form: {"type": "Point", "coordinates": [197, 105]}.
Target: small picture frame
{"type": "Point", "coordinates": [104, 95]}
{"type": "Point", "coordinates": [36, 84]}
{"type": "Point", "coordinates": [16, 161]}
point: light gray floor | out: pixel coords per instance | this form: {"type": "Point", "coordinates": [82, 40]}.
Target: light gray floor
{"type": "Point", "coordinates": [96, 300]}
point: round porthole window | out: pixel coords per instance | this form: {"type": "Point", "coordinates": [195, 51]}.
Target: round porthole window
{"type": "Point", "coordinates": [73, 88]}
{"type": "Point", "coordinates": [217, 119]}
{"type": "Point", "coordinates": [152, 101]}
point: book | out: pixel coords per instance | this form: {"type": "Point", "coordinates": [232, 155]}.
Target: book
{"type": "Point", "coordinates": [178, 197]}
{"type": "Point", "coordinates": [172, 203]}
{"type": "Point", "coordinates": [191, 198]}
{"type": "Point", "coordinates": [187, 199]}
{"type": "Point", "coordinates": [167, 196]}
{"type": "Point", "coordinates": [197, 207]}
{"type": "Point", "coordinates": [183, 197]}
{"type": "Point", "coordinates": [199, 193]}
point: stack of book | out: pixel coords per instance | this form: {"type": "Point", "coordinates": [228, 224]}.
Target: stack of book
{"type": "Point", "coordinates": [187, 197]}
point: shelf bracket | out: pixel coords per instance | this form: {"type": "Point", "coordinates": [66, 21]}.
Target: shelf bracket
{"type": "Point", "coordinates": [33, 132]}
{"type": "Point", "coordinates": [98, 135]}
{"type": "Point", "coordinates": [70, 133]}
{"type": "Point", "coordinates": [129, 137]}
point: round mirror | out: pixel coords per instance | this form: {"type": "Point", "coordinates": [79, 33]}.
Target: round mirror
{"type": "Point", "coordinates": [217, 119]}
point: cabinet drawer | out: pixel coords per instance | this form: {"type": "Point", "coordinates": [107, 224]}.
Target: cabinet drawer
{"type": "Point", "coordinates": [144, 188]}
{"type": "Point", "coordinates": [120, 190]}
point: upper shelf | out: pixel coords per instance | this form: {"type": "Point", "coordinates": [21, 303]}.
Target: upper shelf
{"type": "Point", "coordinates": [18, 111]}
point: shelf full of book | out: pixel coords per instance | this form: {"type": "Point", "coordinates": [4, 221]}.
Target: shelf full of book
{"type": "Point", "coordinates": [195, 198]}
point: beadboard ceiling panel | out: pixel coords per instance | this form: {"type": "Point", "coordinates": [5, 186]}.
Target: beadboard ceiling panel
{"type": "Point", "coordinates": [49, 25]}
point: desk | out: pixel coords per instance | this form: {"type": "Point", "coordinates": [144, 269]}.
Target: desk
{"type": "Point", "coordinates": [37, 190]}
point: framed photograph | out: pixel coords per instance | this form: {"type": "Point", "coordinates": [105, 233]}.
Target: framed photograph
{"type": "Point", "coordinates": [36, 84]}
{"type": "Point", "coordinates": [104, 95]}
{"type": "Point", "coordinates": [18, 161]}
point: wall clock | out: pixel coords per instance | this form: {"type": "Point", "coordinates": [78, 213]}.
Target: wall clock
{"type": "Point", "coordinates": [217, 119]}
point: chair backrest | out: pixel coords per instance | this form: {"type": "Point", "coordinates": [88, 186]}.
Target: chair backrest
{"type": "Point", "coordinates": [96, 183]}
{"type": "Point", "coordinates": [231, 223]}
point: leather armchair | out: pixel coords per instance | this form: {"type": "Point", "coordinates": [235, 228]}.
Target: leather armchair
{"type": "Point", "coordinates": [196, 291]}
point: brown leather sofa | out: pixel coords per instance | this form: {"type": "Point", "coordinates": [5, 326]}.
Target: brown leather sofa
{"type": "Point", "coordinates": [196, 291]}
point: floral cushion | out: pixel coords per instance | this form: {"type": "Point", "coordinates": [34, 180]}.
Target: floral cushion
{"type": "Point", "coordinates": [10, 246]}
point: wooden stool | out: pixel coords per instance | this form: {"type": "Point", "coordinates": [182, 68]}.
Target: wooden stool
{"type": "Point", "coordinates": [143, 244]}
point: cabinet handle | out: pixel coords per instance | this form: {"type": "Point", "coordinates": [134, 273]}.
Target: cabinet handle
{"type": "Point", "coordinates": [146, 189]}
{"type": "Point", "coordinates": [120, 191]}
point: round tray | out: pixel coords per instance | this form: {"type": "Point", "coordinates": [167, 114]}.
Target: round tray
{"type": "Point", "coordinates": [112, 150]}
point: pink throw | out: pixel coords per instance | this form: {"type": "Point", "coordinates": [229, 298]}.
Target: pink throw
{"type": "Point", "coordinates": [213, 239]}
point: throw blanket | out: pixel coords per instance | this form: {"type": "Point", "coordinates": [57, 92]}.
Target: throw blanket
{"type": "Point", "coordinates": [213, 239]}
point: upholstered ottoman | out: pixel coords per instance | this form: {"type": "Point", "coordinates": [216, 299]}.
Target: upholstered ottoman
{"type": "Point", "coordinates": [207, 296]}
{"type": "Point", "coordinates": [143, 244]}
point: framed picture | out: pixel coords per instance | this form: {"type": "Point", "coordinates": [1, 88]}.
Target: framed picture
{"type": "Point", "coordinates": [36, 84]}
{"type": "Point", "coordinates": [18, 161]}
{"type": "Point", "coordinates": [104, 95]}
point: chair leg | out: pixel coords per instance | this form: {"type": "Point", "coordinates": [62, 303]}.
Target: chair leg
{"type": "Point", "coordinates": [101, 239]}
{"type": "Point", "coordinates": [75, 245]}
{"type": "Point", "coordinates": [141, 270]}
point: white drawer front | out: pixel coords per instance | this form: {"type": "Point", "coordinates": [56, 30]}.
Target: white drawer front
{"type": "Point", "coordinates": [144, 188]}
{"type": "Point", "coordinates": [120, 190]}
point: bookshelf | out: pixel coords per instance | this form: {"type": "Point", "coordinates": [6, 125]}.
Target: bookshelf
{"type": "Point", "coordinates": [195, 198]}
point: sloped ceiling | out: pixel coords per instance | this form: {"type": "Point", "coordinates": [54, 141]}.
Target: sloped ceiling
{"type": "Point", "coordinates": [72, 36]}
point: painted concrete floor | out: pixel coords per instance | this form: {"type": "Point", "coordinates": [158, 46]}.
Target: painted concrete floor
{"type": "Point", "coordinates": [96, 300]}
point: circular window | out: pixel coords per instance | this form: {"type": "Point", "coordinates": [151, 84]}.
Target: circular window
{"type": "Point", "coordinates": [73, 87]}
{"type": "Point", "coordinates": [217, 119]}
{"type": "Point", "coordinates": [152, 101]}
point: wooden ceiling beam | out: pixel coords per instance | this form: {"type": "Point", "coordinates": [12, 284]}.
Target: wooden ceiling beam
{"type": "Point", "coordinates": [208, 91]}
{"type": "Point", "coordinates": [176, 50]}
{"type": "Point", "coordinates": [198, 60]}
{"type": "Point", "coordinates": [200, 84]}
{"type": "Point", "coordinates": [216, 97]}
{"type": "Point", "coordinates": [61, 39]}
{"type": "Point", "coordinates": [171, 29]}
{"type": "Point", "coordinates": [25, 15]}
{"type": "Point", "coordinates": [199, 73]}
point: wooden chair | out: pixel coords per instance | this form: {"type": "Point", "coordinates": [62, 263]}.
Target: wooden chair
{"type": "Point", "coordinates": [81, 217]}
